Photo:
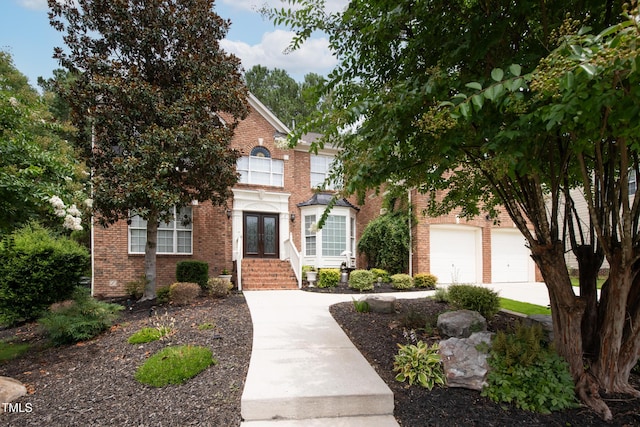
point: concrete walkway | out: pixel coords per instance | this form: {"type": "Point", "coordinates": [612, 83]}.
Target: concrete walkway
{"type": "Point", "coordinates": [304, 370]}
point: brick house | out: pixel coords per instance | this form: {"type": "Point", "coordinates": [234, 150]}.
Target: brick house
{"type": "Point", "coordinates": [267, 231]}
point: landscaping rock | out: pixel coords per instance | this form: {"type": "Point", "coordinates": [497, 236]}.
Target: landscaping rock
{"type": "Point", "coordinates": [461, 323]}
{"type": "Point", "coordinates": [11, 389]}
{"type": "Point", "coordinates": [380, 304]}
{"type": "Point", "coordinates": [543, 320]}
{"type": "Point", "coordinates": [465, 360]}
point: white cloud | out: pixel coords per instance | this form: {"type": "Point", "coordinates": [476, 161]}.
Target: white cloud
{"type": "Point", "coordinates": [313, 57]}
{"type": "Point", "coordinates": [34, 4]}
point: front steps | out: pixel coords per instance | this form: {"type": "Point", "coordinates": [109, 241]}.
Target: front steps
{"type": "Point", "coordinates": [267, 274]}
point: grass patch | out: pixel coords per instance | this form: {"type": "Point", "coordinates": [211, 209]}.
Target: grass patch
{"type": "Point", "coordinates": [206, 326]}
{"type": "Point", "coordinates": [523, 307]}
{"type": "Point", "coordinates": [10, 350]}
{"type": "Point", "coordinates": [175, 365]}
{"type": "Point", "coordinates": [599, 282]}
{"type": "Point", "coordinates": [146, 335]}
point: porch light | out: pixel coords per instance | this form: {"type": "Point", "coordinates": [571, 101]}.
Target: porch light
{"type": "Point", "coordinates": [228, 213]}
{"type": "Point", "coordinates": [292, 216]}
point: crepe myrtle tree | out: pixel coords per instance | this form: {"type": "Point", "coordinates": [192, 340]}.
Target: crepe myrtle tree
{"type": "Point", "coordinates": [156, 101]}
{"type": "Point", "coordinates": [514, 104]}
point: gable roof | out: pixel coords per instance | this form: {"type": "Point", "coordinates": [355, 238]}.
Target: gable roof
{"type": "Point", "coordinates": [265, 112]}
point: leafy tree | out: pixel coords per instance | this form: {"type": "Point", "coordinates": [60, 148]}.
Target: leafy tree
{"type": "Point", "coordinates": [156, 102]}
{"type": "Point", "coordinates": [423, 88]}
{"type": "Point", "coordinates": [35, 162]}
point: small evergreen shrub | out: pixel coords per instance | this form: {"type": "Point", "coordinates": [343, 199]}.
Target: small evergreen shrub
{"type": "Point", "coordinates": [401, 281]}
{"type": "Point", "coordinates": [80, 321]}
{"type": "Point", "coordinates": [135, 288]}
{"type": "Point", "coordinates": [382, 274]}
{"type": "Point", "coordinates": [361, 280]}
{"type": "Point", "coordinates": [194, 272]}
{"type": "Point", "coordinates": [420, 364]}
{"type": "Point", "coordinates": [441, 295]}
{"type": "Point", "coordinates": [219, 288]}
{"type": "Point", "coordinates": [175, 365]}
{"type": "Point", "coordinates": [183, 293]}
{"type": "Point", "coordinates": [328, 277]}
{"type": "Point", "coordinates": [425, 280]}
{"type": "Point", "coordinates": [483, 300]}
{"type": "Point", "coordinates": [527, 373]}
{"type": "Point", "coordinates": [162, 294]}
{"type": "Point", "coordinates": [37, 269]}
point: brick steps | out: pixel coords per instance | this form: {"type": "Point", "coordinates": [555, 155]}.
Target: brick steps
{"type": "Point", "coordinates": [267, 274]}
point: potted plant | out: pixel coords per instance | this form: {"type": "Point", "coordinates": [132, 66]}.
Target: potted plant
{"type": "Point", "coordinates": [225, 275]}
{"type": "Point", "coordinates": [312, 276]}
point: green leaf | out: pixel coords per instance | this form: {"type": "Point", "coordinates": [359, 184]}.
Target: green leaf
{"type": "Point", "coordinates": [589, 69]}
{"type": "Point", "coordinates": [497, 74]}
{"type": "Point", "coordinates": [515, 69]}
{"type": "Point", "coordinates": [478, 101]}
{"type": "Point", "coordinates": [474, 85]}
{"type": "Point", "coordinates": [465, 110]}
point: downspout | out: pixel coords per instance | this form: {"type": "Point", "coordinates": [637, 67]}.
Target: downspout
{"type": "Point", "coordinates": [410, 237]}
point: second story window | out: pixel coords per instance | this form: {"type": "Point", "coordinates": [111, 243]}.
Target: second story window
{"type": "Point", "coordinates": [320, 171]}
{"type": "Point", "coordinates": [260, 169]}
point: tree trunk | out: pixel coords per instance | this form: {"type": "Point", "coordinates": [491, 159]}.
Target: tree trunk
{"type": "Point", "coordinates": [567, 311]}
{"type": "Point", "coordinates": [589, 263]}
{"type": "Point", "coordinates": [150, 259]}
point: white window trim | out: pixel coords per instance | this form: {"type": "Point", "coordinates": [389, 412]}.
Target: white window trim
{"type": "Point", "coordinates": [271, 172]}
{"type": "Point", "coordinates": [328, 167]}
{"type": "Point", "coordinates": [320, 260]}
{"type": "Point", "coordinates": [176, 228]}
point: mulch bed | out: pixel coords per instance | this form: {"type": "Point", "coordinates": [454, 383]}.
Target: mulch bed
{"type": "Point", "coordinates": [92, 383]}
{"type": "Point", "coordinates": [377, 335]}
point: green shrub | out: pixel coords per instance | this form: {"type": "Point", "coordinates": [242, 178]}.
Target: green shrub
{"type": "Point", "coordinates": [401, 281]}
{"type": "Point", "coordinates": [385, 242]}
{"type": "Point", "coordinates": [483, 300]}
{"type": "Point", "coordinates": [425, 280]}
{"type": "Point", "coordinates": [183, 293]}
{"type": "Point", "coordinates": [419, 364]}
{"type": "Point", "coordinates": [441, 295]}
{"type": "Point", "coordinates": [162, 294]}
{"type": "Point", "coordinates": [81, 320]}
{"type": "Point", "coordinates": [135, 288]}
{"type": "Point", "coordinates": [219, 288]}
{"type": "Point", "coordinates": [361, 306]}
{"type": "Point", "coordinates": [146, 335]}
{"type": "Point", "coordinates": [527, 373]}
{"type": "Point", "coordinates": [361, 280]}
{"type": "Point", "coordinates": [328, 277]}
{"type": "Point", "coordinates": [382, 274]}
{"type": "Point", "coordinates": [194, 272]}
{"type": "Point", "coordinates": [36, 270]}
{"type": "Point", "coordinates": [175, 365]}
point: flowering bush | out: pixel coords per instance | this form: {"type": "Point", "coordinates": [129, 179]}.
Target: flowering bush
{"type": "Point", "coordinates": [72, 215]}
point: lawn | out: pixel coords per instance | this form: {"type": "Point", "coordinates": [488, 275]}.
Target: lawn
{"type": "Point", "coordinates": [523, 307]}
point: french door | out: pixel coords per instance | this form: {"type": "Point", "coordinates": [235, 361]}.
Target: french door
{"type": "Point", "coordinates": [261, 235]}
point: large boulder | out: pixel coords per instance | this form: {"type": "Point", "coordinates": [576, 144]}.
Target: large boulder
{"type": "Point", "coordinates": [11, 389]}
{"type": "Point", "coordinates": [461, 323]}
{"type": "Point", "coordinates": [465, 360]}
{"type": "Point", "coordinates": [380, 304]}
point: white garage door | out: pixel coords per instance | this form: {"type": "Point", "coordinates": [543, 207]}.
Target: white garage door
{"type": "Point", "coordinates": [456, 254]}
{"type": "Point", "coordinates": [510, 258]}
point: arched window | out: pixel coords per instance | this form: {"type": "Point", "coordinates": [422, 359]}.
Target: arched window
{"type": "Point", "coordinates": [260, 152]}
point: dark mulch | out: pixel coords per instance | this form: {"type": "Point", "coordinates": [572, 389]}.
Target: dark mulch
{"type": "Point", "coordinates": [377, 335]}
{"type": "Point", "coordinates": [92, 383]}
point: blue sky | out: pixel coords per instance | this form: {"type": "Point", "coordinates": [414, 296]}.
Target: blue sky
{"type": "Point", "coordinates": [26, 34]}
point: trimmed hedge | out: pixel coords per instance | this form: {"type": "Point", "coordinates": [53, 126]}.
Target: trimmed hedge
{"type": "Point", "coordinates": [382, 274]}
{"type": "Point", "coordinates": [38, 269]}
{"type": "Point", "coordinates": [425, 280]}
{"type": "Point", "coordinates": [477, 298]}
{"type": "Point", "coordinates": [401, 281]}
{"type": "Point", "coordinates": [328, 277]}
{"type": "Point", "coordinates": [362, 280]}
{"type": "Point", "coordinates": [194, 272]}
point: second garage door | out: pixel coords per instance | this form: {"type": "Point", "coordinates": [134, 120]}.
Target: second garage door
{"type": "Point", "coordinates": [510, 257]}
{"type": "Point", "coordinates": [456, 253]}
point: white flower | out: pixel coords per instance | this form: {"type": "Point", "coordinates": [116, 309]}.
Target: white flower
{"type": "Point", "coordinates": [14, 102]}
{"type": "Point", "coordinates": [56, 202]}
{"type": "Point", "coordinates": [313, 228]}
{"type": "Point", "coordinates": [88, 203]}
{"type": "Point", "coordinates": [73, 211]}
{"type": "Point", "coordinates": [72, 223]}
{"type": "Point", "coordinates": [60, 212]}
{"type": "Point", "coordinates": [281, 143]}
